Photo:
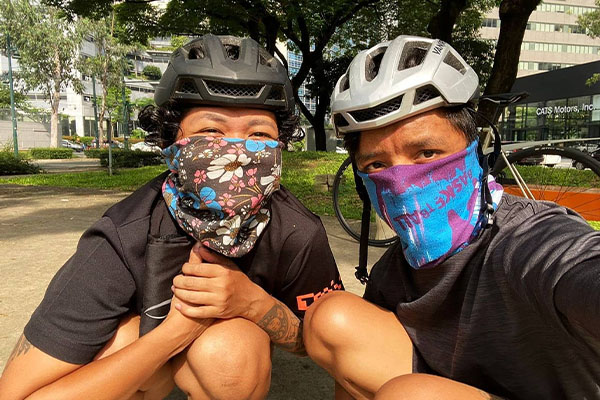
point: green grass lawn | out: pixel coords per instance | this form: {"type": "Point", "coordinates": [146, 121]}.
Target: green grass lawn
{"type": "Point", "coordinates": [299, 171]}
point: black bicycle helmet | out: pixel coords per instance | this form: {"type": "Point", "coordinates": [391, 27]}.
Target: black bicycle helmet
{"type": "Point", "coordinates": [225, 71]}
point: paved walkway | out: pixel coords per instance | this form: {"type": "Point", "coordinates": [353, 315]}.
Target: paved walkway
{"type": "Point", "coordinates": [39, 230]}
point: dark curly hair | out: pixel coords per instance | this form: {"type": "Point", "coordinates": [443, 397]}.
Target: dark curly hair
{"type": "Point", "coordinates": [162, 124]}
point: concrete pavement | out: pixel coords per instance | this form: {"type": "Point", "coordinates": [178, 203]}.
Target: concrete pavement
{"type": "Point", "coordinates": [39, 230]}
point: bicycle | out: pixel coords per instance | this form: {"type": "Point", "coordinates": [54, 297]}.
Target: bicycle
{"type": "Point", "coordinates": [575, 185]}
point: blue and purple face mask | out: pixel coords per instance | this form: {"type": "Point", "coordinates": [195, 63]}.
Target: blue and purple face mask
{"type": "Point", "coordinates": [434, 207]}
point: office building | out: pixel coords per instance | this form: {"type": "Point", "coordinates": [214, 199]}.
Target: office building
{"type": "Point", "coordinates": [553, 39]}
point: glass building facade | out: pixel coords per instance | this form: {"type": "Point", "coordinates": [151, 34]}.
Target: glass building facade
{"type": "Point", "coordinates": [560, 105]}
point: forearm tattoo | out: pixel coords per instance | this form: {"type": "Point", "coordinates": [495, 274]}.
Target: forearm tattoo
{"type": "Point", "coordinates": [22, 347]}
{"type": "Point", "coordinates": [284, 328]}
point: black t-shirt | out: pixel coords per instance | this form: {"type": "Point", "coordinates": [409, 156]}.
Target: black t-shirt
{"type": "Point", "coordinates": [516, 313]}
{"type": "Point", "coordinates": [127, 260]}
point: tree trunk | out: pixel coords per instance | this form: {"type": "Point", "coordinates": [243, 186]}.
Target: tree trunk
{"type": "Point", "coordinates": [513, 21]}
{"type": "Point", "coordinates": [54, 121]}
{"type": "Point", "coordinates": [102, 109]}
{"type": "Point", "coordinates": [55, 135]}
{"type": "Point", "coordinates": [442, 23]}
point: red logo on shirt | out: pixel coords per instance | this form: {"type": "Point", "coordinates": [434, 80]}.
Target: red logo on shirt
{"type": "Point", "coordinates": [306, 300]}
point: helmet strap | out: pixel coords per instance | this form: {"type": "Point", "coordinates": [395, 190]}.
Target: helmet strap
{"type": "Point", "coordinates": [487, 163]}
{"type": "Point", "coordinates": [361, 271]}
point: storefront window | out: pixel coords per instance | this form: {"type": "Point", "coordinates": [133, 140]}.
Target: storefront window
{"type": "Point", "coordinates": [596, 103]}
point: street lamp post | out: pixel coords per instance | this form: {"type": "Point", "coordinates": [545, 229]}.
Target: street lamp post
{"type": "Point", "coordinates": [125, 122]}
{"type": "Point", "coordinates": [95, 112]}
{"type": "Point", "coordinates": [12, 96]}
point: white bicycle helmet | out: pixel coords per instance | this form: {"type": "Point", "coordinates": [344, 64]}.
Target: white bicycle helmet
{"type": "Point", "coordinates": [398, 79]}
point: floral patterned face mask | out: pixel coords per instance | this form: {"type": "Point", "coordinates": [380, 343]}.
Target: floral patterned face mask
{"type": "Point", "coordinates": [218, 189]}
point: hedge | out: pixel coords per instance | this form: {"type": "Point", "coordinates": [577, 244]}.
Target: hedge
{"type": "Point", "coordinates": [87, 140]}
{"type": "Point", "coordinates": [125, 158]}
{"type": "Point", "coordinates": [11, 165]}
{"type": "Point", "coordinates": [41, 153]}
{"type": "Point", "coordinates": [93, 152]}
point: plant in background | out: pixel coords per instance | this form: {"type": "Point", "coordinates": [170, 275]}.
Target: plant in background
{"type": "Point", "coordinates": [11, 165]}
{"type": "Point", "coordinates": [108, 65]}
{"type": "Point", "coordinates": [138, 133]}
{"type": "Point", "coordinates": [178, 41]}
{"type": "Point", "coordinates": [152, 72]}
{"type": "Point", "coordinates": [591, 22]}
{"type": "Point", "coordinates": [47, 44]}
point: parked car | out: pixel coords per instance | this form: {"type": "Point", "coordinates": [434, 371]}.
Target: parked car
{"type": "Point", "coordinates": [143, 146]}
{"type": "Point", "coordinates": [72, 145]}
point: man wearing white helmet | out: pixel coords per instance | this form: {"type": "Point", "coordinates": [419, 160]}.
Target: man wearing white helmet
{"type": "Point", "coordinates": [485, 294]}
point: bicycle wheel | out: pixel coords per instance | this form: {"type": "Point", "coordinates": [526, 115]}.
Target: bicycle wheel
{"type": "Point", "coordinates": [573, 182]}
{"type": "Point", "coordinates": [348, 208]}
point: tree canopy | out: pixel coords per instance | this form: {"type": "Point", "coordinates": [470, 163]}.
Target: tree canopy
{"type": "Point", "coordinates": [48, 46]}
{"type": "Point", "coordinates": [328, 34]}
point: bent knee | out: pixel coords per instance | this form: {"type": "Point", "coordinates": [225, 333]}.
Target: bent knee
{"type": "Point", "coordinates": [331, 318]}
{"type": "Point", "coordinates": [425, 387]}
{"type": "Point", "coordinates": [231, 359]}
{"type": "Point", "coordinates": [232, 345]}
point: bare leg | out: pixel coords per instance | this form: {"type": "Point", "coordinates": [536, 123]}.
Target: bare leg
{"type": "Point", "coordinates": [361, 345]}
{"type": "Point", "coordinates": [161, 383]}
{"type": "Point", "coordinates": [425, 387]}
{"type": "Point", "coordinates": [230, 360]}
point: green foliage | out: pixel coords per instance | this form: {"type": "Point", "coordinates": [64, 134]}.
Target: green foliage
{"type": "Point", "coordinates": [21, 101]}
{"type": "Point", "coordinates": [591, 22]}
{"type": "Point", "coordinates": [93, 153]}
{"type": "Point", "coordinates": [50, 153]}
{"type": "Point", "coordinates": [135, 21]}
{"type": "Point", "coordinates": [592, 80]}
{"type": "Point", "coordinates": [142, 102]}
{"type": "Point", "coordinates": [131, 159]}
{"type": "Point", "coordinates": [138, 133]}
{"type": "Point", "coordinates": [114, 102]}
{"type": "Point", "coordinates": [125, 158]}
{"type": "Point", "coordinates": [152, 72]}
{"type": "Point", "coordinates": [11, 165]}
{"type": "Point", "coordinates": [178, 41]}
{"type": "Point", "coordinates": [48, 46]}
{"type": "Point", "coordinates": [124, 179]}
{"type": "Point", "coordinates": [87, 140]}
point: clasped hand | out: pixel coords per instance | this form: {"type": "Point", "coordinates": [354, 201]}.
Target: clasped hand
{"type": "Point", "coordinates": [212, 286]}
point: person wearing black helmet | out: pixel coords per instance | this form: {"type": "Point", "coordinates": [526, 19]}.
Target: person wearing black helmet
{"type": "Point", "coordinates": [485, 294]}
{"type": "Point", "coordinates": [191, 278]}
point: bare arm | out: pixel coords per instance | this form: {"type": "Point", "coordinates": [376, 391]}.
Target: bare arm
{"type": "Point", "coordinates": [284, 328]}
{"type": "Point", "coordinates": [216, 288]}
{"type": "Point", "coordinates": [33, 374]}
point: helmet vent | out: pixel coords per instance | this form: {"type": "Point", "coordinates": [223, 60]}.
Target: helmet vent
{"type": "Point", "coordinates": [227, 89]}
{"type": "Point", "coordinates": [425, 93]}
{"type": "Point", "coordinates": [232, 51]}
{"type": "Point", "coordinates": [345, 84]}
{"type": "Point", "coordinates": [196, 53]}
{"type": "Point", "coordinates": [377, 111]}
{"type": "Point", "coordinates": [339, 120]}
{"type": "Point", "coordinates": [413, 54]}
{"type": "Point", "coordinates": [276, 93]}
{"type": "Point", "coordinates": [187, 86]}
{"type": "Point", "coordinates": [455, 63]}
{"type": "Point", "coordinates": [373, 62]}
